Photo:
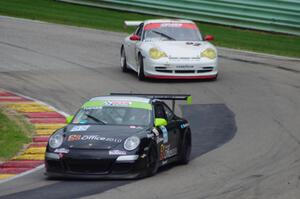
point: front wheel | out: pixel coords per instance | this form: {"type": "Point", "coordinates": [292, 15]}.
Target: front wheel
{"type": "Point", "coordinates": [152, 162]}
{"type": "Point", "coordinates": [123, 61]}
{"type": "Point", "coordinates": [140, 71]}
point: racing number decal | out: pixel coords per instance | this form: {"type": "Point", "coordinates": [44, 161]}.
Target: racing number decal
{"type": "Point", "coordinates": [162, 152]}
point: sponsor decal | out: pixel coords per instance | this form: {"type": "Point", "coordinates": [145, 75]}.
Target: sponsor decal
{"type": "Point", "coordinates": [113, 140]}
{"type": "Point", "coordinates": [74, 138]}
{"type": "Point", "coordinates": [117, 152]}
{"type": "Point", "coordinates": [165, 134]}
{"type": "Point", "coordinates": [92, 138]}
{"type": "Point", "coordinates": [166, 152]}
{"type": "Point", "coordinates": [150, 135]}
{"type": "Point", "coordinates": [174, 25]}
{"type": "Point", "coordinates": [156, 134]}
{"type": "Point", "coordinates": [80, 128]}
{"type": "Point", "coordinates": [162, 152]}
{"type": "Point", "coordinates": [100, 103]}
{"type": "Point", "coordinates": [99, 138]}
{"type": "Point", "coordinates": [171, 152]}
{"type": "Point", "coordinates": [184, 125]}
{"type": "Point", "coordinates": [61, 150]}
{"type": "Point", "coordinates": [164, 162]}
{"type": "Point", "coordinates": [92, 107]}
{"type": "Point", "coordinates": [135, 127]}
{"type": "Point", "coordinates": [83, 121]}
{"type": "Point", "coordinates": [184, 66]}
{"type": "Point", "coordinates": [159, 139]}
{"type": "Point", "coordinates": [151, 26]}
{"type": "Point", "coordinates": [155, 131]}
{"type": "Point", "coordinates": [117, 103]}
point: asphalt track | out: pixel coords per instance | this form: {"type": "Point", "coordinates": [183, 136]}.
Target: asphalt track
{"type": "Point", "coordinates": [257, 96]}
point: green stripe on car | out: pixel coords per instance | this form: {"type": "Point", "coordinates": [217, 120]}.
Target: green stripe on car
{"type": "Point", "coordinates": [116, 103]}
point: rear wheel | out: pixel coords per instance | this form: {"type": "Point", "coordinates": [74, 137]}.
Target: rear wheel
{"type": "Point", "coordinates": [152, 162]}
{"type": "Point", "coordinates": [186, 146]}
{"type": "Point", "coordinates": [123, 61]}
{"type": "Point", "coordinates": [140, 71]}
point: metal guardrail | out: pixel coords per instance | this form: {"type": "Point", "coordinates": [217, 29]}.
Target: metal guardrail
{"type": "Point", "coordinates": [281, 16]}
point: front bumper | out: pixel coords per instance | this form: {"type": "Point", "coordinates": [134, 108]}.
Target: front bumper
{"type": "Point", "coordinates": [94, 165]}
{"type": "Point", "coordinates": [166, 68]}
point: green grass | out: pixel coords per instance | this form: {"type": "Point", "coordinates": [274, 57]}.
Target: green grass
{"type": "Point", "coordinates": [13, 134]}
{"type": "Point", "coordinates": [63, 13]}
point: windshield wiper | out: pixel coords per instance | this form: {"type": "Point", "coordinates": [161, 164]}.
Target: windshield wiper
{"type": "Point", "coordinates": [96, 119]}
{"type": "Point", "coordinates": [163, 34]}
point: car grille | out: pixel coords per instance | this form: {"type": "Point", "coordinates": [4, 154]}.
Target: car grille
{"type": "Point", "coordinates": [53, 165]}
{"type": "Point", "coordinates": [184, 71]}
{"type": "Point", "coordinates": [166, 70]}
{"type": "Point", "coordinates": [88, 166]}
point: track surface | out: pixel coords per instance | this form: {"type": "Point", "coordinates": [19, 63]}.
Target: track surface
{"type": "Point", "coordinates": [64, 66]}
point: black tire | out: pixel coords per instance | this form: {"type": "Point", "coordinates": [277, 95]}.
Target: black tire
{"type": "Point", "coordinates": [186, 147]}
{"type": "Point", "coordinates": [140, 72]}
{"type": "Point", "coordinates": [123, 61]}
{"type": "Point", "coordinates": [152, 162]}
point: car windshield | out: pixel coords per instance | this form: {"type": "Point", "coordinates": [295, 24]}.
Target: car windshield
{"type": "Point", "coordinates": [112, 115]}
{"type": "Point", "coordinates": [171, 32]}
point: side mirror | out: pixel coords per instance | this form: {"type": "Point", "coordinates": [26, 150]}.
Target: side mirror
{"type": "Point", "coordinates": [69, 119]}
{"type": "Point", "coordinates": [135, 38]}
{"type": "Point", "coordinates": [160, 122]}
{"type": "Point", "coordinates": [209, 38]}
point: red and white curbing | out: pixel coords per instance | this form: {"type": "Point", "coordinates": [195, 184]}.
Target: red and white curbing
{"type": "Point", "coordinates": [45, 118]}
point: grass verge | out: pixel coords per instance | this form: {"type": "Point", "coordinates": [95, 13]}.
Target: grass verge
{"type": "Point", "coordinates": [14, 133]}
{"type": "Point", "coordinates": [63, 13]}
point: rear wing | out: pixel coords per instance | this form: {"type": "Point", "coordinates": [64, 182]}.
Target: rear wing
{"type": "Point", "coordinates": [132, 23]}
{"type": "Point", "coordinates": [172, 97]}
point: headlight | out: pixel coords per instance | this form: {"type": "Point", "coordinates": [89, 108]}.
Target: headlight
{"type": "Point", "coordinates": [131, 143]}
{"type": "Point", "coordinates": [156, 54]}
{"type": "Point", "coordinates": [56, 140]}
{"type": "Point", "coordinates": [209, 53]}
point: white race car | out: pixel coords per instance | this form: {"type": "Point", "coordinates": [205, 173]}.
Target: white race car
{"type": "Point", "coordinates": [169, 49]}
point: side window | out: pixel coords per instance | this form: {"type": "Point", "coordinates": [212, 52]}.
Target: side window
{"type": "Point", "coordinates": [139, 30]}
{"type": "Point", "coordinates": [159, 111]}
{"type": "Point", "coordinates": [169, 114]}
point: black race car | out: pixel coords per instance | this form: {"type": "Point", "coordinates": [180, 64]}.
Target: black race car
{"type": "Point", "coordinates": [119, 136]}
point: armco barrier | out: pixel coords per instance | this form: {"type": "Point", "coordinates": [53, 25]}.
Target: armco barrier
{"type": "Point", "coordinates": [282, 16]}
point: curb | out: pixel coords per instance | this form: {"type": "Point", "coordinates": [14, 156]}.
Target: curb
{"type": "Point", "coordinates": [45, 118]}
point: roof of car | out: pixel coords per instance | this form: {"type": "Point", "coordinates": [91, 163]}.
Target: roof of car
{"type": "Point", "coordinates": [167, 21]}
{"type": "Point", "coordinates": [123, 98]}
